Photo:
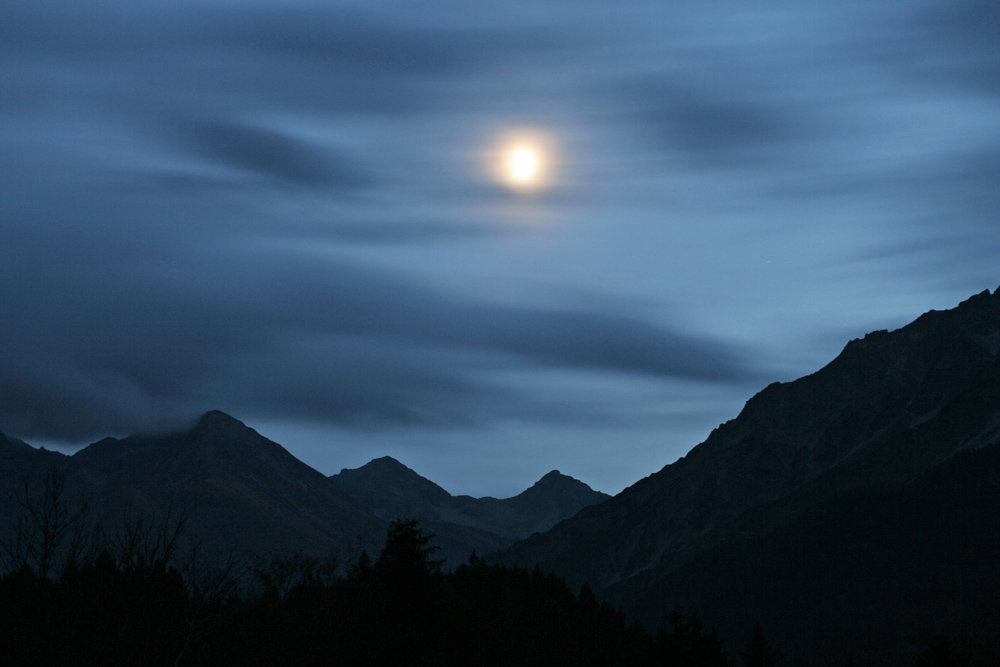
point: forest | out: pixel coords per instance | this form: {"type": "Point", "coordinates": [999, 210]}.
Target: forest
{"type": "Point", "coordinates": [70, 596]}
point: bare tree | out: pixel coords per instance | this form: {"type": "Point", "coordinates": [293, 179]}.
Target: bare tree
{"type": "Point", "coordinates": [49, 531]}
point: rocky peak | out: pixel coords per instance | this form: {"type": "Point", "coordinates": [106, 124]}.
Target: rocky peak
{"type": "Point", "coordinates": [385, 464]}
{"type": "Point", "coordinates": [216, 421]}
{"type": "Point", "coordinates": [555, 482]}
{"type": "Point", "coordinates": [552, 476]}
{"type": "Point", "coordinates": [388, 485]}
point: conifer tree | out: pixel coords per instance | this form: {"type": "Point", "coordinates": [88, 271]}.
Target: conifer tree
{"type": "Point", "coordinates": [758, 651]}
{"type": "Point", "coordinates": [941, 652]}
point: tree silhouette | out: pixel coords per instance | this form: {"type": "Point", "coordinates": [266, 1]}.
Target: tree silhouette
{"type": "Point", "coordinates": [758, 651]}
{"type": "Point", "coordinates": [687, 644]}
{"type": "Point", "coordinates": [941, 653]}
{"type": "Point", "coordinates": [406, 554]}
{"type": "Point", "coordinates": [49, 531]}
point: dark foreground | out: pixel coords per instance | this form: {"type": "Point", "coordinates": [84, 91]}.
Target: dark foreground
{"type": "Point", "coordinates": [130, 605]}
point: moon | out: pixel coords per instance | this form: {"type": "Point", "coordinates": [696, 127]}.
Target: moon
{"type": "Point", "coordinates": [523, 161]}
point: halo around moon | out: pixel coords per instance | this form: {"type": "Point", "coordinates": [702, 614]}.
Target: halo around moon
{"type": "Point", "coordinates": [523, 161]}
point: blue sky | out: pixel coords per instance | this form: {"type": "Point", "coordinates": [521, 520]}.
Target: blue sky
{"type": "Point", "coordinates": [284, 211]}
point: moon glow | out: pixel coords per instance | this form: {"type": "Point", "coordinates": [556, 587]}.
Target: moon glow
{"type": "Point", "coordinates": [523, 161]}
{"type": "Point", "coordinates": [523, 164]}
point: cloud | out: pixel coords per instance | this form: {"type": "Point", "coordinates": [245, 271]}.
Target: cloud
{"type": "Point", "coordinates": [217, 58]}
{"type": "Point", "coordinates": [964, 44]}
{"type": "Point", "coordinates": [710, 126]}
{"type": "Point", "coordinates": [351, 39]}
{"type": "Point", "coordinates": [273, 154]}
{"type": "Point", "coordinates": [128, 346]}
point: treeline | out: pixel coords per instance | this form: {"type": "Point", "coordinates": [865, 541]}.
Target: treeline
{"type": "Point", "coordinates": [136, 608]}
{"type": "Point", "coordinates": [135, 600]}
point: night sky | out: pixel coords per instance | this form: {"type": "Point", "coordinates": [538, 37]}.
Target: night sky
{"type": "Point", "coordinates": [291, 212]}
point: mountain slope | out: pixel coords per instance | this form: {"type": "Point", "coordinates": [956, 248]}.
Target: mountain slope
{"type": "Point", "coordinates": [391, 490]}
{"type": "Point", "coordinates": [888, 408]}
{"type": "Point", "coordinates": [874, 571]}
{"type": "Point", "coordinates": [20, 462]}
{"type": "Point", "coordinates": [242, 490]}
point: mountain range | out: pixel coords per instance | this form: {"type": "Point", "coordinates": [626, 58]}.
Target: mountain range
{"type": "Point", "coordinates": [242, 493]}
{"type": "Point", "coordinates": [391, 491]}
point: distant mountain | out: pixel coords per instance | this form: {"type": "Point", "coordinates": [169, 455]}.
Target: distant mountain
{"type": "Point", "coordinates": [15, 443]}
{"type": "Point", "coordinates": [242, 490]}
{"type": "Point", "coordinates": [392, 490]}
{"type": "Point", "coordinates": [19, 462]}
{"type": "Point", "coordinates": [246, 494]}
{"type": "Point", "coordinates": [889, 409]}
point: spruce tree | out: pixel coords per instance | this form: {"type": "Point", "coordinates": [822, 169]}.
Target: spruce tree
{"type": "Point", "coordinates": [941, 653]}
{"type": "Point", "coordinates": [758, 651]}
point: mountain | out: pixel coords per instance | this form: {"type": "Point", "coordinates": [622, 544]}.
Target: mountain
{"type": "Point", "coordinates": [891, 408]}
{"type": "Point", "coordinates": [243, 491]}
{"type": "Point", "coordinates": [6, 441]}
{"type": "Point", "coordinates": [873, 572]}
{"type": "Point", "coordinates": [463, 523]}
{"type": "Point", "coordinates": [246, 494]}
{"type": "Point", "coordinates": [20, 462]}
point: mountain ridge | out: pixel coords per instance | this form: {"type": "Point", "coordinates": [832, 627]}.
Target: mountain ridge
{"type": "Point", "coordinates": [391, 490]}
{"type": "Point", "coordinates": [853, 415]}
{"type": "Point", "coordinates": [248, 493]}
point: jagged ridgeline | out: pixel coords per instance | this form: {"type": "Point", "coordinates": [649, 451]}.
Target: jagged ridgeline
{"type": "Point", "coordinates": [856, 506]}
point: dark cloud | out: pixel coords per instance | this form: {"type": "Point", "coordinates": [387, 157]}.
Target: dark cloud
{"type": "Point", "coordinates": [611, 342]}
{"type": "Point", "coordinates": [275, 155]}
{"type": "Point", "coordinates": [713, 127]}
{"type": "Point", "coordinates": [399, 233]}
{"type": "Point", "coordinates": [126, 346]}
{"type": "Point", "coordinates": [265, 58]}
{"type": "Point", "coordinates": [963, 44]}
{"type": "Point", "coordinates": [350, 39]}
{"type": "Point", "coordinates": [108, 32]}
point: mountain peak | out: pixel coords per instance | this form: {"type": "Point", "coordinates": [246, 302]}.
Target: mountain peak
{"type": "Point", "coordinates": [216, 425]}
{"type": "Point", "coordinates": [217, 418]}
{"type": "Point", "coordinates": [384, 469]}
{"type": "Point", "coordinates": [386, 463]}
{"type": "Point", "coordinates": [556, 480]}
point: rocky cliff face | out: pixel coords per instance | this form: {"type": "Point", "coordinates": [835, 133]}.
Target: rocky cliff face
{"type": "Point", "coordinates": [888, 408]}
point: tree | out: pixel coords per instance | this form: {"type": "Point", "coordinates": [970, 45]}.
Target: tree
{"type": "Point", "coordinates": [687, 644]}
{"type": "Point", "coordinates": [758, 651]}
{"type": "Point", "coordinates": [48, 529]}
{"type": "Point", "coordinates": [407, 554]}
{"type": "Point", "coordinates": [941, 653]}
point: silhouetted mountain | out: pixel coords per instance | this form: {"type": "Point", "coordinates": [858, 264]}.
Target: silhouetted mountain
{"type": "Point", "coordinates": [7, 441]}
{"type": "Point", "coordinates": [20, 461]}
{"type": "Point", "coordinates": [890, 408]}
{"type": "Point", "coordinates": [242, 490]}
{"type": "Point", "coordinates": [391, 491]}
{"type": "Point", "coordinates": [247, 494]}
{"type": "Point", "coordinates": [873, 572]}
